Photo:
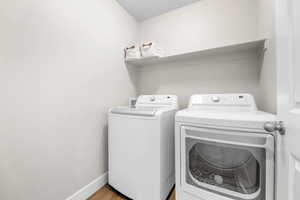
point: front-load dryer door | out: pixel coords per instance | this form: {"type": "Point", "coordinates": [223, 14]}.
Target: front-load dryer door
{"type": "Point", "coordinates": [228, 164]}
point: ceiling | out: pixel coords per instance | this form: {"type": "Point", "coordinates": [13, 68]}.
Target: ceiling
{"type": "Point", "coordinates": [145, 9]}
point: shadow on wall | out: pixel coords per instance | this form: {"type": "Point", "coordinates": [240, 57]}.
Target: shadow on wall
{"type": "Point", "coordinates": [132, 74]}
{"type": "Point", "coordinates": [104, 149]}
{"type": "Point", "coordinates": [224, 73]}
{"type": "Point", "coordinates": [268, 80]}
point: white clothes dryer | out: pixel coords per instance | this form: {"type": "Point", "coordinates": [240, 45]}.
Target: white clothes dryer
{"type": "Point", "coordinates": [141, 147]}
{"type": "Point", "coordinates": [223, 151]}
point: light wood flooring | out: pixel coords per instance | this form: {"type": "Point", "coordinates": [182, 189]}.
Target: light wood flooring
{"type": "Point", "coordinates": [107, 193]}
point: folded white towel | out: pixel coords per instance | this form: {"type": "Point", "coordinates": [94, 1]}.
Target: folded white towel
{"type": "Point", "coordinates": [132, 52]}
{"type": "Point", "coordinates": [150, 49]}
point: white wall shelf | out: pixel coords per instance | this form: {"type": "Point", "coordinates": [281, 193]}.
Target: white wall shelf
{"type": "Point", "coordinates": [260, 46]}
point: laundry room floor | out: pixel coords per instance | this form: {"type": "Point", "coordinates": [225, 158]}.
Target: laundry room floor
{"type": "Point", "coordinates": [107, 193]}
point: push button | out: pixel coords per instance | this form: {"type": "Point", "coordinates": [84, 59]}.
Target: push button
{"type": "Point", "coordinates": [215, 99]}
{"type": "Point", "coordinates": [152, 98]}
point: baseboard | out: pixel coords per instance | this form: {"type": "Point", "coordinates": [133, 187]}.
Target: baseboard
{"type": "Point", "coordinates": [90, 188]}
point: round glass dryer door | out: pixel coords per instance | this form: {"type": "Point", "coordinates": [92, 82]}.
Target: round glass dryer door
{"type": "Point", "coordinates": [224, 168]}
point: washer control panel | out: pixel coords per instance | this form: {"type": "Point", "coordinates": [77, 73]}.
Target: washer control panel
{"type": "Point", "coordinates": [158, 100]}
{"type": "Point", "coordinates": [225, 100]}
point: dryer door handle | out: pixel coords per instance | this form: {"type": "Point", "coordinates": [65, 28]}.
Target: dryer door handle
{"type": "Point", "coordinates": [275, 126]}
{"type": "Point", "coordinates": [228, 137]}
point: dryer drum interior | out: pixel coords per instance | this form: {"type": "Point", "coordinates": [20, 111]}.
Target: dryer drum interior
{"type": "Point", "coordinates": [230, 167]}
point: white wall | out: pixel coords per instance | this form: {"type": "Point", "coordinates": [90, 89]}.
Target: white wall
{"type": "Point", "coordinates": [61, 68]}
{"type": "Point", "coordinates": [205, 24]}
{"type": "Point", "coordinates": [226, 73]}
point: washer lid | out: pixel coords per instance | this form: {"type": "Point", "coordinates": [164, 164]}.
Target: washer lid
{"type": "Point", "coordinates": [134, 111]}
{"type": "Point", "coordinates": [244, 119]}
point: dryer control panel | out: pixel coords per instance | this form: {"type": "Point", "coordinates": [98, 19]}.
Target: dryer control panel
{"type": "Point", "coordinates": [223, 100]}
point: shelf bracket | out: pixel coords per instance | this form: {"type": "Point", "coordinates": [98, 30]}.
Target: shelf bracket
{"type": "Point", "coordinates": [264, 48]}
{"type": "Point", "coordinates": [266, 45]}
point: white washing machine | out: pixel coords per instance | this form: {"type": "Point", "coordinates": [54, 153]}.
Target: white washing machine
{"type": "Point", "coordinates": [223, 151]}
{"type": "Point", "coordinates": [141, 147]}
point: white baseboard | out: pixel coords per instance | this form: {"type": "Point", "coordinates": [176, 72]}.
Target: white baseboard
{"type": "Point", "coordinates": [90, 188]}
